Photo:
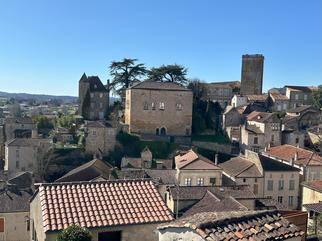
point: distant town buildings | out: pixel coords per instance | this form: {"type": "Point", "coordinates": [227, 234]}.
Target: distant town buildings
{"type": "Point", "coordinates": [158, 108]}
{"type": "Point", "coordinates": [93, 98]}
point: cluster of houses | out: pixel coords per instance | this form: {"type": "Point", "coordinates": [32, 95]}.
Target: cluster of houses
{"type": "Point", "coordinates": [271, 189]}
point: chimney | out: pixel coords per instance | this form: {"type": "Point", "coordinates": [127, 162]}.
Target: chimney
{"type": "Point", "coordinates": [216, 159]}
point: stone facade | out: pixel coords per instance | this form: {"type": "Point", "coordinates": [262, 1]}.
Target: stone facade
{"type": "Point", "coordinates": [100, 137]}
{"type": "Point", "coordinates": [18, 128]}
{"type": "Point", "coordinates": [298, 95]}
{"type": "Point", "coordinates": [93, 98]}
{"type": "Point", "coordinates": [252, 74]}
{"type": "Point", "coordinates": [16, 226]}
{"type": "Point", "coordinates": [159, 109]}
{"type": "Point", "coordinates": [221, 92]}
{"type": "Point", "coordinates": [260, 131]}
{"type": "Point", "coordinates": [23, 154]}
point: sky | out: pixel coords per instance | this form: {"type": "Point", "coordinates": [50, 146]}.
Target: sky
{"type": "Point", "coordinates": [45, 46]}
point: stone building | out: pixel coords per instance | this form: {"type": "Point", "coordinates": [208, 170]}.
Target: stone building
{"type": "Point", "coordinates": [15, 194]}
{"type": "Point", "coordinates": [277, 102]}
{"type": "Point", "coordinates": [252, 74]}
{"type": "Point", "coordinates": [93, 98]}
{"type": "Point", "coordinates": [298, 95]}
{"type": "Point", "coordinates": [130, 210]}
{"type": "Point", "coordinates": [221, 92]}
{"type": "Point", "coordinates": [196, 170]}
{"type": "Point", "coordinates": [26, 154]}
{"type": "Point", "coordinates": [100, 137]}
{"type": "Point", "coordinates": [261, 130]}
{"type": "Point", "coordinates": [159, 108]}
{"type": "Point", "coordinates": [267, 177]}
{"type": "Point", "coordinates": [20, 127]}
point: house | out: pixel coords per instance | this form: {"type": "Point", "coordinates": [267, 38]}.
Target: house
{"type": "Point", "coordinates": [88, 171]}
{"type": "Point", "coordinates": [15, 194]}
{"type": "Point", "coordinates": [312, 200]}
{"type": "Point", "coordinates": [221, 92]}
{"type": "Point", "coordinates": [121, 210]}
{"type": "Point", "coordinates": [158, 108]}
{"type": "Point", "coordinates": [232, 119]}
{"type": "Point", "coordinates": [291, 133]}
{"type": "Point", "coordinates": [238, 100]}
{"type": "Point", "coordinates": [100, 137]}
{"type": "Point", "coordinates": [261, 130]}
{"type": "Point", "coordinates": [266, 177]}
{"type": "Point", "coordinates": [146, 161]}
{"type": "Point", "coordinates": [235, 225]}
{"type": "Point", "coordinates": [240, 171]}
{"type": "Point", "coordinates": [307, 116]}
{"type": "Point", "coordinates": [299, 95]}
{"type": "Point", "coordinates": [277, 102]}
{"type": "Point", "coordinates": [196, 170]}
{"type": "Point", "coordinates": [180, 199]}
{"type": "Point", "coordinates": [309, 163]}
{"type": "Point", "coordinates": [93, 98]}
{"type": "Point", "coordinates": [26, 154]}
{"type": "Point", "coordinates": [20, 127]}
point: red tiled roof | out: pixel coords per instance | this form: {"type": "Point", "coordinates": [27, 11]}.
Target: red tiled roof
{"type": "Point", "coordinates": [315, 185]}
{"type": "Point", "coordinates": [192, 160]}
{"type": "Point", "coordinates": [100, 204]}
{"type": "Point", "coordinates": [240, 225]}
{"type": "Point", "coordinates": [288, 152]}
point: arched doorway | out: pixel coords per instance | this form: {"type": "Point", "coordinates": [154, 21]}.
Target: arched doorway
{"type": "Point", "coordinates": [163, 131]}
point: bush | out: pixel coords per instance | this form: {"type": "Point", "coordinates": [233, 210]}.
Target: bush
{"type": "Point", "coordinates": [74, 233]}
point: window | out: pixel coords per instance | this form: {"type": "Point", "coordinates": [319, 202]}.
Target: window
{"type": "Point", "coordinates": [270, 184]}
{"type": "Point", "coordinates": [95, 86]}
{"type": "Point", "coordinates": [110, 236]}
{"type": "Point", "coordinates": [281, 185]}
{"type": "Point", "coordinates": [290, 200]}
{"type": "Point", "coordinates": [200, 181]}
{"type": "Point", "coordinates": [145, 106]}
{"type": "Point", "coordinates": [280, 199]}
{"type": "Point", "coordinates": [305, 97]}
{"type": "Point", "coordinates": [92, 95]}
{"type": "Point", "coordinates": [272, 138]}
{"type": "Point", "coordinates": [187, 181]}
{"type": "Point", "coordinates": [101, 95]}
{"type": "Point", "coordinates": [292, 185]}
{"type": "Point", "coordinates": [17, 154]}
{"type": "Point", "coordinates": [92, 105]}
{"type": "Point", "coordinates": [244, 179]}
{"type": "Point", "coordinates": [161, 106]}
{"type": "Point", "coordinates": [255, 179]}
{"type": "Point", "coordinates": [1, 225]}
{"type": "Point", "coordinates": [212, 181]}
{"type": "Point", "coordinates": [296, 96]}
{"type": "Point", "coordinates": [255, 140]}
{"type": "Point", "coordinates": [94, 133]}
{"type": "Point", "coordinates": [179, 106]}
{"type": "Point", "coordinates": [153, 106]}
{"type": "Point", "coordinates": [17, 164]}
{"type": "Point", "coordinates": [297, 140]}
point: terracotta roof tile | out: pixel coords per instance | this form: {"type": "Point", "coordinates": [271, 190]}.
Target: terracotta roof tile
{"type": "Point", "coordinates": [241, 225]}
{"type": "Point", "coordinates": [104, 203]}
{"type": "Point", "coordinates": [315, 185]}
{"type": "Point", "coordinates": [316, 207]}
{"type": "Point", "coordinates": [192, 160]}
{"type": "Point", "coordinates": [287, 153]}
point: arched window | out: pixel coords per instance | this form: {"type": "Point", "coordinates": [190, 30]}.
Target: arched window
{"type": "Point", "coordinates": [163, 131]}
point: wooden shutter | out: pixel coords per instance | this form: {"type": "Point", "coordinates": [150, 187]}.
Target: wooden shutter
{"type": "Point", "coordinates": [1, 225]}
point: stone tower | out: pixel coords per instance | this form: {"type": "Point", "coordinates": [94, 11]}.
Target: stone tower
{"type": "Point", "coordinates": [83, 87]}
{"type": "Point", "coordinates": [252, 74]}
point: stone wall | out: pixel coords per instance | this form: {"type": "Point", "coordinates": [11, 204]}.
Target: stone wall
{"type": "Point", "coordinates": [222, 148]}
{"type": "Point", "coordinates": [15, 226]}
{"type": "Point", "coordinates": [144, 115]}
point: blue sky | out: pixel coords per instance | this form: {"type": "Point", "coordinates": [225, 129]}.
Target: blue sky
{"type": "Point", "coordinates": [45, 46]}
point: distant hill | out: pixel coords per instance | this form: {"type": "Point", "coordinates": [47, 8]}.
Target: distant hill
{"type": "Point", "coordinates": [38, 97]}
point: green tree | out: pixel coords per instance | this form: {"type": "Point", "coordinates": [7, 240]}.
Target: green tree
{"type": "Point", "coordinates": [74, 233]}
{"type": "Point", "coordinates": [198, 89]}
{"type": "Point", "coordinates": [315, 227]}
{"type": "Point", "coordinates": [124, 73]}
{"type": "Point", "coordinates": [43, 122]}
{"type": "Point", "coordinates": [169, 73]}
{"type": "Point", "coordinates": [317, 97]}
